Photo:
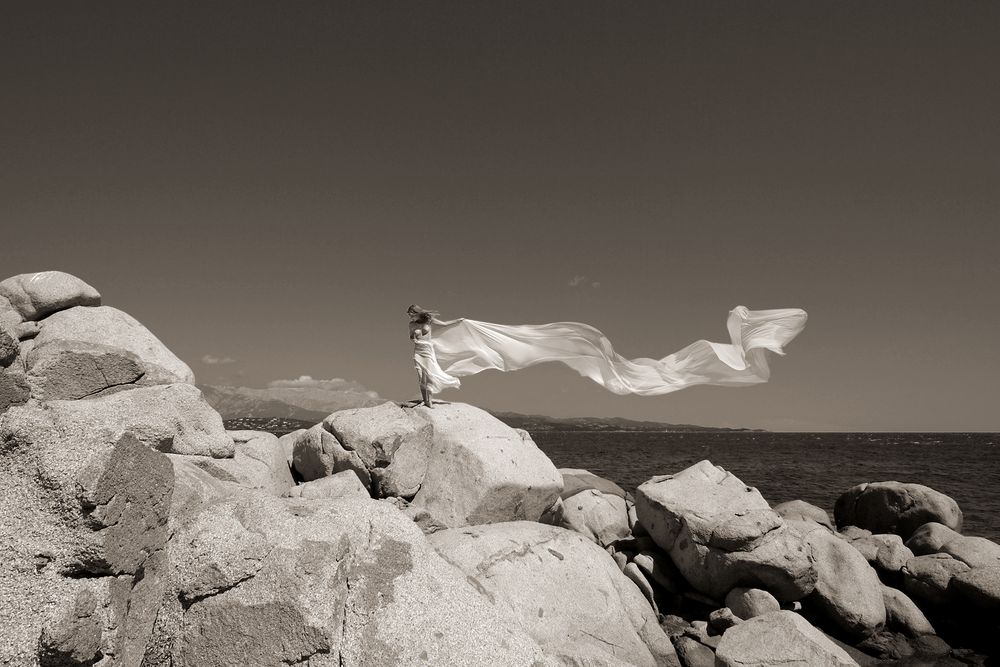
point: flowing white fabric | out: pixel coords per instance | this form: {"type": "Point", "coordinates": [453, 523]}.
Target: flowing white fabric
{"type": "Point", "coordinates": [464, 347]}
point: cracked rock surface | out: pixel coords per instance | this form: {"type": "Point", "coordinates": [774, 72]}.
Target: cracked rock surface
{"type": "Point", "coordinates": [563, 589]}
{"type": "Point", "coordinates": [722, 534]}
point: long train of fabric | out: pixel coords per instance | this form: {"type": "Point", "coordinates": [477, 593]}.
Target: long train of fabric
{"type": "Point", "coordinates": [465, 347]}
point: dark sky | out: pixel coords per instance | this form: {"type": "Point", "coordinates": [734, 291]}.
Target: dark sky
{"type": "Point", "coordinates": [273, 183]}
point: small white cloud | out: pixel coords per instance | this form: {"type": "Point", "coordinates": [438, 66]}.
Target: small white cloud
{"type": "Point", "coordinates": [303, 381]}
{"type": "Point", "coordinates": [212, 360]}
{"type": "Point", "coordinates": [582, 281]}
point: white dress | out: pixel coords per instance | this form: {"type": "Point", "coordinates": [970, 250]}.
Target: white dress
{"type": "Point", "coordinates": [429, 369]}
{"type": "Point", "coordinates": [464, 347]}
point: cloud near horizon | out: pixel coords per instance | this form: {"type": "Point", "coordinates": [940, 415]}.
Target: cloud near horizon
{"type": "Point", "coordinates": [212, 360]}
{"type": "Point", "coordinates": [581, 281]}
{"type": "Point", "coordinates": [333, 384]}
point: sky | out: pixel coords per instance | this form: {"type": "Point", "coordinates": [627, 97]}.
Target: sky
{"type": "Point", "coordinates": [268, 186]}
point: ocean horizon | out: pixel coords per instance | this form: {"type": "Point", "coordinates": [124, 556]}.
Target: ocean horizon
{"type": "Point", "coordinates": [813, 466]}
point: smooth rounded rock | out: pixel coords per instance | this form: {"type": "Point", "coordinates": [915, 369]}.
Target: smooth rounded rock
{"type": "Point", "coordinates": [598, 516]}
{"type": "Point", "coordinates": [566, 591]}
{"type": "Point", "coordinates": [722, 534]}
{"type": "Point", "coordinates": [482, 471]}
{"type": "Point", "coordinates": [259, 580]}
{"type": "Point", "coordinates": [979, 587]}
{"type": "Point", "coordinates": [930, 538]}
{"type": "Point", "coordinates": [35, 295]}
{"type": "Point", "coordinates": [973, 551]}
{"type": "Point", "coordinates": [903, 615]}
{"type": "Point", "coordinates": [393, 444]}
{"type": "Point", "coordinates": [169, 418]}
{"type": "Point", "coordinates": [576, 480]}
{"type": "Point", "coordinates": [927, 577]}
{"type": "Point", "coordinates": [693, 653]}
{"type": "Point", "coordinates": [779, 638]}
{"type": "Point", "coordinates": [895, 507]}
{"type": "Point", "coordinates": [749, 603]}
{"type": "Point", "coordinates": [802, 511]}
{"type": "Point", "coordinates": [111, 328]}
{"type": "Point", "coordinates": [848, 590]}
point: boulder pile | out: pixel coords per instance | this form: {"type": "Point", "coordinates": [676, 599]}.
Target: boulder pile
{"type": "Point", "coordinates": [136, 530]}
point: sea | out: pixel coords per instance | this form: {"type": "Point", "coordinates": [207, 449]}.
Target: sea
{"type": "Point", "coordinates": [815, 467]}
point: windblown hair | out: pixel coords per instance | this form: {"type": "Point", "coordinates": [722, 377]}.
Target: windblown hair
{"type": "Point", "coordinates": [420, 315]}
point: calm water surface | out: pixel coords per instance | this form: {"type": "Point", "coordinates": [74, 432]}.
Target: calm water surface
{"type": "Point", "coordinates": [816, 467]}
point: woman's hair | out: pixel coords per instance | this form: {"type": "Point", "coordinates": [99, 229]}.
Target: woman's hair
{"type": "Point", "coordinates": [420, 315]}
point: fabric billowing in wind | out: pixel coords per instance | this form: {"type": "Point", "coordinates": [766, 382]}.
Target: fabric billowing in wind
{"type": "Point", "coordinates": [465, 347]}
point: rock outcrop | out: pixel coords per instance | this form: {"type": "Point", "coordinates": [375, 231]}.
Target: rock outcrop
{"type": "Point", "coordinates": [392, 444]}
{"type": "Point", "coordinates": [894, 507]}
{"type": "Point", "coordinates": [261, 580]}
{"type": "Point", "coordinates": [779, 638]}
{"type": "Point", "coordinates": [564, 590]}
{"type": "Point", "coordinates": [316, 453]}
{"type": "Point", "coordinates": [88, 330]}
{"type": "Point", "coordinates": [35, 295]}
{"type": "Point", "coordinates": [749, 603]}
{"type": "Point", "coordinates": [481, 471]}
{"type": "Point", "coordinates": [600, 515]}
{"type": "Point", "coordinates": [722, 534]}
{"type": "Point", "coordinates": [848, 590]}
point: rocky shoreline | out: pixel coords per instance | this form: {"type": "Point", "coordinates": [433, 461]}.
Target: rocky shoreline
{"type": "Point", "coordinates": [137, 530]}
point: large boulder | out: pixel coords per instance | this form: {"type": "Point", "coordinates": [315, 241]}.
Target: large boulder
{"type": "Point", "coordinates": [599, 515]}
{"type": "Point", "coordinates": [344, 484]}
{"type": "Point", "coordinates": [979, 587]}
{"type": "Point", "coordinates": [258, 463]}
{"type": "Point", "coordinates": [973, 551]}
{"type": "Point", "coordinates": [927, 577]}
{"type": "Point", "coordinates": [60, 372]}
{"type": "Point", "coordinates": [848, 590]}
{"type": "Point", "coordinates": [563, 589]}
{"type": "Point", "coordinates": [779, 638]}
{"type": "Point", "coordinates": [800, 510]}
{"type": "Point", "coordinates": [747, 603]}
{"type": "Point", "coordinates": [894, 507]}
{"type": "Point", "coordinates": [903, 615]}
{"type": "Point", "coordinates": [35, 295]}
{"type": "Point", "coordinates": [722, 534]}
{"type": "Point", "coordinates": [482, 471]}
{"type": "Point", "coordinates": [82, 328]}
{"type": "Point", "coordinates": [392, 443]}
{"type": "Point", "coordinates": [261, 580]}
{"type": "Point", "coordinates": [82, 535]}
{"type": "Point", "coordinates": [930, 538]}
{"type": "Point", "coordinates": [576, 480]}
{"type": "Point", "coordinates": [316, 453]}
{"type": "Point", "coordinates": [886, 553]}
{"type": "Point", "coordinates": [168, 418]}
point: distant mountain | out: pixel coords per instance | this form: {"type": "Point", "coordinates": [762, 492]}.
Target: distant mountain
{"type": "Point", "coordinates": [308, 401]}
{"type": "Point", "coordinates": [304, 399]}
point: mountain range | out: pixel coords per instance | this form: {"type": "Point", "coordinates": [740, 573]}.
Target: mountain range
{"type": "Point", "coordinates": [308, 401]}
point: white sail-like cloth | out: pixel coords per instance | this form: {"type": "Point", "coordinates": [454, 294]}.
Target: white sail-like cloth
{"type": "Point", "coordinates": [464, 347]}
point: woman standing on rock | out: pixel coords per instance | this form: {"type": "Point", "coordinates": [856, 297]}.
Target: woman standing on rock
{"type": "Point", "coordinates": [432, 378]}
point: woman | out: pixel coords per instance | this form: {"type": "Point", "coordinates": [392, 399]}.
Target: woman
{"type": "Point", "coordinates": [432, 378]}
